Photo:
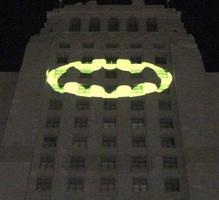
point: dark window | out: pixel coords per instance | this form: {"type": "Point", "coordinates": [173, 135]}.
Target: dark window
{"type": "Point", "coordinates": [77, 162]}
{"type": "Point", "coordinates": [113, 25]}
{"type": "Point", "coordinates": [109, 141]}
{"type": "Point", "coordinates": [55, 104]}
{"type": "Point", "coordinates": [47, 161]}
{"type": "Point", "coordinates": [112, 45]}
{"type": "Point", "coordinates": [75, 24]}
{"type": "Point", "coordinates": [170, 162]}
{"type": "Point", "coordinates": [111, 60]}
{"type": "Point", "coordinates": [136, 60]}
{"type": "Point", "coordinates": [86, 59]}
{"type": "Point", "coordinates": [62, 59]}
{"type": "Point", "coordinates": [159, 45]}
{"type": "Point", "coordinates": [137, 105]}
{"type": "Point", "coordinates": [168, 142]}
{"type": "Point", "coordinates": [132, 25]}
{"type": "Point", "coordinates": [52, 123]}
{"type": "Point", "coordinates": [139, 162]}
{"type": "Point", "coordinates": [160, 60]}
{"type": "Point", "coordinates": [137, 123]}
{"type": "Point", "coordinates": [139, 184]}
{"type": "Point", "coordinates": [164, 105]}
{"type": "Point", "coordinates": [172, 184]}
{"type": "Point", "coordinates": [75, 184]}
{"type": "Point", "coordinates": [64, 45]}
{"type": "Point", "coordinates": [43, 183]}
{"type": "Point", "coordinates": [88, 45]}
{"type": "Point", "coordinates": [110, 105]}
{"type": "Point", "coordinates": [50, 141]}
{"type": "Point", "coordinates": [81, 122]}
{"type": "Point", "coordinates": [108, 163]}
{"type": "Point", "coordinates": [138, 141]}
{"type": "Point", "coordinates": [109, 123]}
{"type": "Point", "coordinates": [135, 45]}
{"type": "Point", "coordinates": [83, 105]}
{"type": "Point", "coordinates": [79, 141]}
{"type": "Point", "coordinates": [151, 24]}
{"type": "Point", "coordinates": [111, 73]}
{"type": "Point", "coordinates": [166, 123]}
{"type": "Point", "coordinates": [94, 24]}
{"type": "Point", "coordinates": [107, 184]}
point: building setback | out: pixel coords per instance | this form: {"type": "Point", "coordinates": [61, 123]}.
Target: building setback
{"type": "Point", "coordinates": [157, 146]}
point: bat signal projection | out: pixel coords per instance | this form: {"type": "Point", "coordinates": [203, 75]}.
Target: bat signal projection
{"type": "Point", "coordinates": [78, 89]}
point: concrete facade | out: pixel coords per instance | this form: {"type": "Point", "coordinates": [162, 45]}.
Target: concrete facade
{"type": "Point", "coordinates": [180, 126]}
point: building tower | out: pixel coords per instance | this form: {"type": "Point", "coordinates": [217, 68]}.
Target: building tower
{"type": "Point", "coordinates": [156, 146]}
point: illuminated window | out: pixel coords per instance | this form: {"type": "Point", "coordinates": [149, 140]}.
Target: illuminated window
{"type": "Point", "coordinates": [43, 183]}
{"type": "Point", "coordinates": [94, 24]}
{"type": "Point", "coordinates": [50, 141]}
{"type": "Point", "coordinates": [62, 59]}
{"type": "Point", "coordinates": [88, 45]}
{"type": "Point", "coordinates": [109, 123]}
{"type": "Point", "coordinates": [138, 162]}
{"type": "Point", "coordinates": [47, 161]}
{"type": "Point", "coordinates": [166, 123]}
{"type": "Point", "coordinates": [107, 184]}
{"type": "Point", "coordinates": [52, 123]}
{"type": "Point", "coordinates": [109, 141]}
{"type": "Point", "coordinates": [86, 59]}
{"type": "Point", "coordinates": [170, 162]}
{"type": "Point", "coordinates": [136, 60]}
{"type": "Point", "coordinates": [172, 184]}
{"type": "Point", "coordinates": [55, 104]}
{"type": "Point", "coordinates": [132, 25]}
{"type": "Point", "coordinates": [164, 105]}
{"type": "Point", "coordinates": [79, 141]}
{"type": "Point", "coordinates": [83, 105]}
{"type": "Point", "coordinates": [112, 45]}
{"type": "Point", "coordinates": [111, 73]}
{"type": "Point", "coordinates": [75, 184]}
{"type": "Point", "coordinates": [137, 123]}
{"type": "Point", "coordinates": [135, 45]}
{"type": "Point", "coordinates": [77, 162]}
{"type": "Point", "coordinates": [64, 45]}
{"type": "Point", "coordinates": [138, 142]}
{"type": "Point", "coordinates": [160, 60]}
{"type": "Point", "coordinates": [139, 184]}
{"type": "Point", "coordinates": [81, 122]}
{"type": "Point", "coordinates": [151, 24]}
{"type": "Point", "coordinates": [137, 105]}
{"type": "Point", "coordinates": [110, 105]}
{"type": "Point", "coordinates": [75, 24]}
{"type": "Point", "coordinates": [168, 142]}
{"type": "Point", "coordinates": [113, 25]}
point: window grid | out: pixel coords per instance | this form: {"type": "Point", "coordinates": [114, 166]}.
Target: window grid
{"type": "Point", "coordinates": [109, 141]}
{"type": "Point", "coordinates": [166, 123]}
{"type": "Point", "coordinates": [170, 162]}
{"type": "Point", "coordinates": [47, 161]}
{"type": "Point", "coordinates": [109, 123]}
{"type": "Point", "coordinates": [137, 105]}
{"type": "Point", "coordinates": [139, 162]}
{"type": "Point", "coordinates": [108, 163]}
{"type": "Point", "coordinates": [52, 123]}
{"type": "Point", "coordinates": [168, 142]}
{"type": "Point", "coordinates": [172, 184]}
{"type": "Point", "coordinates": [77, 162]}
{"type": "Point", "coordinates": [50, 141]}
{"type": "Point", "coordinates": [137, 123]}
{"type": "Point", "coordinates": [110, 105]}
{"type": "Point", "coordinates": [138, 142]}
{"type": "Point", "coordinates": [75, 184]}
{"type": "Point", "coordinates": [107, 184]}
{"type": "Point", "coordinates": [81, 122]}
{"type": "Point", "coordinates": [43, 183]}
{"type": "Point", "coordinates": [79, 141]}
{"type": "Point", "coordinates": [139, 184]}
{"type": "Point", "coordinates": [82, 105]}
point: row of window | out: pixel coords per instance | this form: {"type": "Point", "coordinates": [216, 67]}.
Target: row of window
{"type": "Point", "coordinates": [108, 123]}
{"type": "Point", "coordinates": [110, 141]}
{"type": "Point", "coordinates": [107, 184]}
{"type": "Point", "coordinates": [56, 104]}
{"type": "Point", "coordinates": [132, 25]}
{"type": "Point", "coordinates": [109, 162]}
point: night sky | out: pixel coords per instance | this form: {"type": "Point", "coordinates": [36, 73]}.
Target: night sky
{"type": "Point", "coordinates": [19, 19]}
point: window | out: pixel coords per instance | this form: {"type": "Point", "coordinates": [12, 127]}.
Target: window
{"type": "Point", "coordinates": [112, 45]}
{"type": "Point", "coordinates": [50, 141]}
{"type": "Point", "coordinates": [113, 25]}
{"type": "Point", "coordinates": [151, 24]}
{"type": "Point", "coordinates": [166, 123]}
{"type": "Point", "coordinates": [138, 162]}
{"type": "Point", "coordinates": [94, 24]}
{"type": "Point", "coordinates": [64, 45]}
{"type": "Point", "coordinates": [164, 105]}
{"type": "Point", "coordinates": [111, 60]}
{"type": "Point", "coordinates": [160, 60]}
{"type": "Point", "coordinates": [81, 122]}
{"type": "Point", "coordinates": [109, 141]}
{"type": "Point", "coordinates": [79, 141]}
{"type": "Point", "coordinates": [86, 59]}
{"type": "Point", "coordinates": [168, 142]}
{"type": "Point", "coordinates": [75, 184]}
{"type": "Point", "coordinates": [159, 45]}
{"type": "Point", "coordinates": [137, 123]}
{"type": "Point", "coordinates": [62, 59]}
{"type": "Point", "coordinates": [135, 60]}
{"type": "Point", "coordinates": [170, 162]}
{"type": "Point", "coordinates": [55, 104]}
{"type": "Point", "coordinates": [77, 162]}
{"type": "Point", "coordinates": [47, 161]}
{"type": "Point", "coordinates": [172, 184]}
{"type": "Point", "coordinates": [135, 45]}
{"type": "Point", "coordinates": [108, 163]}
{"type": "Point", "coordinates": [75, 25]}
{"type": "Point", "coordinates": [43, 183]}
{"type": "Point", "coordinates": [109, 123]}
{"type": "Point", "coordinates": [132, 25]}
{"type": "Point", "coordinates": [138, 142]}
{"type": "Point", "coordinates": [107, 184]}
{"type": "Point", "coordinates": [110, 105]}
{"type": "Point", "coordinates": [137, 105]}
{"type": "Point", "coordinates": [88, 45]}
{"type": "Point", "coordinates": [139, 184]}
{"type": "Point", "coordinates": [52, 123]}
{"type": "Point", "coordinates": [82, 105]}
{"type": "Point", "coordinates": [111, 73]}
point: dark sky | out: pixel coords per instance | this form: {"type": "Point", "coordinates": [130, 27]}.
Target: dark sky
{"type": "Point", "coordinates": [19, 19]}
